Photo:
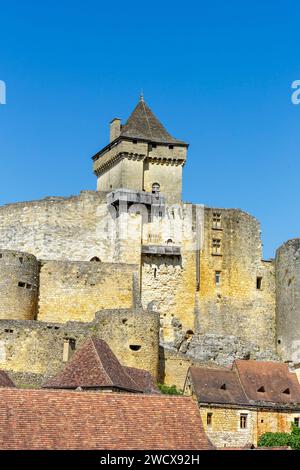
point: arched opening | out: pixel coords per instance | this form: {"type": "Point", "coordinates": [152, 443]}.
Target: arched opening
{"type": "Point", "coordinates": [135, 347]}
{"type": "Point", "coordinates": [155, 188]}
{"type": "Point", "coordinates": [95, 258]}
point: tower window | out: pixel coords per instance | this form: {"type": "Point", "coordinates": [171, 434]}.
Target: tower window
{"type": "Point", "coordinates": [243, 421]}
{"type": "Point", "coordinates": [21, 284]}
{"type": "Point", "coordinates": [218, 278]}
{"type": "Point", "coordinates": [258, 282]}
{"type": "Point", "coordinates": [134, 141]}
{"type": "Point", "coordinates": [155, 273]}
{"type": "Point", "coordinates": [216, 246]}
{"type": "Point", "coordinates": [209, 419]}
{"type": "Point", "coordinates": [171, 147]}
{"type": "Point", "coordinates": [135, 347]}
{"type": "Point", "coordinates": [216, 219]}
{"type": "Point", "coordinates": [155, 188]}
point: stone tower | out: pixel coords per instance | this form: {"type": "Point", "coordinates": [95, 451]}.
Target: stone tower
{"type": "Point", "coordinates": [288, 300]}
{"type": "Point", "coordinates": [141, 156]}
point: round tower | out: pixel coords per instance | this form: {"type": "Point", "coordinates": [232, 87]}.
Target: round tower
{"type": "Point", "coordinates": [19, 274]}
{"type": "Point", "coordinates": [288, 300]}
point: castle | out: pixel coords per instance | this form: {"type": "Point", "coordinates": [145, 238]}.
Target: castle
{"type": "Point", "coordinates": [167, 284]}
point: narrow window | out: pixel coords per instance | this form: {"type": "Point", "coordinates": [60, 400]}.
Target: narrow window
{"type": "Point", "coordinates": [135, 347]}
{"type": "Point", "coordinates": [216, 246]}
{"type": "Point", "coordinates": [218, 278]}
{"type": "Point", "coordinates": [21, 260]}
{"type": "Point", "coordinates": [155, 273]}
{"type": "Point", "coordinates": [134, 141]}
{"type": "Point", "coordinates": [216, 219]}
{"type": "Point", "coordinates": [171, 147]}
{"type": "Point", "coordinates": [69, 348]}
{"type": "Point", "coordinates": [28, 286]}
{"type": "Point", "coordinates": [154, 146]}
{"type": "Point", "coordinates": [21, 284]}
{"type": "Point", "coordinates": [258, 282]}
{"type": "Point", "coordinates": [209, 420]}
{"type": "Point", "coordinates": [243, 421]}
{"type": "Point", "coordinates": [297, 422]}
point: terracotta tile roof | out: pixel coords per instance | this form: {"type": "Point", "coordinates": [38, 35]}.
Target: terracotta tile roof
{"type": "Point", "coordinates": [143, 124]}
{"type": "Point", "coordinates": [5, 381]}
{"type": "Point", "coordinates": [268, 381]}
{"type": "Point", "coordinates": [94, 365]}
{"type": "Point", "coordinates": [217, 386]}
{"type": "Point", "coordinates": [60, 419]}
{"type": "Point", "coordinates": [143, 379]}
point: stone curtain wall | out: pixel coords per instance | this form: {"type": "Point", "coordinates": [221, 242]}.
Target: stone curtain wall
{"type": "Point", "coordinates": [33, 350]}
{"type": "Point", "coordinates": [288, 300]}
{"type": "Point", "coordinates": [236, 307]}
{"type": "Point", "coordinates": [19, 280]}
{"type": "Point", "coordinates": [74, 291]}
{"type": "Point", "coordinates": [73, 228]}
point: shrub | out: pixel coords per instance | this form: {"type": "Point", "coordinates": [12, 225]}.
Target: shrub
{"type": "Point", "coordinates": [169, 390]}
{"type": "Point", "coordinates": [274, 439]}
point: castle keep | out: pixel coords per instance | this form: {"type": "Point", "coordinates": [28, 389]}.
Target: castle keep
{"type": "Point", "coordinates": [167, 284]}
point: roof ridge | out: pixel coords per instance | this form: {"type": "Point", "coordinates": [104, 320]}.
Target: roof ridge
{"type": "Point", "coordinates": [99, 359]}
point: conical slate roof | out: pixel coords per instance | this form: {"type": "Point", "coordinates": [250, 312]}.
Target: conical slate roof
{"type": "Point", "coordinates": [94, 365]}
{"type": "Point", "coordinates": [143, 124]}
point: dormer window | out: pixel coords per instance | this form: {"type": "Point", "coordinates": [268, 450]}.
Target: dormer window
{"type": "Point", "coordinates": [286, 391]}
{"type": "Point", "coordinates": [223, 387]}
{"type": "Point", "coordinates": [261, 389]}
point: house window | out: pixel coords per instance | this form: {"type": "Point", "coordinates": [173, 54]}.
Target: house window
{"type": "Point", "coordinates": [209, 419]}
{"type": "Point", "coordinates": [218, 278]}
{"type": "Point", "coordinates": [216, 246]}
{"type": "Point", "coordinates": [258, 282]}
{"type": "Point", "coordinates": [243, 420]}
{"type": "Point", "coordinates": [216, 219]}
{"type": "Point", "coordinates": [297, 422]}
{"type": "Point", "coordinates": [171, 147]}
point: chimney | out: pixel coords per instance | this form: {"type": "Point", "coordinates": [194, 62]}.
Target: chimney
{"type": "Point", "coordinates": [115, 129]}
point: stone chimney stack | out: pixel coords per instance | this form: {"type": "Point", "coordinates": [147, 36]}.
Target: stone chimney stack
{"type": "Point", "coordinates": [115, 129]}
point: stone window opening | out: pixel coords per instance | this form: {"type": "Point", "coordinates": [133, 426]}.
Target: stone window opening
{"type": "Point", "coordinates": [170, 241]}
{"type": "Point", "coordinates": [155, 188]}
{"type": "Point", "coordinates": [68, 349]}
{"type": "Point", "coordinates": [171, 147]}
{"type": "Point", "coordinates": [28, 286]}
{"type": "Point", "coordinates": [218, 278]}
{"type": "Point", "coordinates": [216, 219]}
{"type": "Point", "coordinates": [1, 256]}
{"type": "Point", "coordinates": [21, 259]}
{"type": "Point", "coordinates": [21, 284]}
{"type": "Point", "coordinates": [258, 282]}
{"type": "Point", "coordinates": [8, 330]}
{"type": "Point", "coordinates": [209, 420]}
{"type": "Point", "coordinates": [135, 347]}
{"type": "Point", "coordinates": [243, 420]}
{"type": "Point", "coordinates": [297, 422]}
{"type": "Point", "coordinates": [134, 141]}
{"type": "Point", "coordinates": [216, 246]}
{"type": "Point", "coordinates": [155, 273]}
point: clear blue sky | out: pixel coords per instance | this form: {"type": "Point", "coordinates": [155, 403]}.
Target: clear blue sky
{"type": "Point", "coordinates": [218, 75]}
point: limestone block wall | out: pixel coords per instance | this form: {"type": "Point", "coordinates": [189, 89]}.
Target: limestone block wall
{"type": "Point", "coordinates": [74, 291]}
{"type": "Point", "coordinates": [19, 280]}
{"type": "Point", "coordinates": [242, 302]}
{"type": "Point", "coordinates": [74, 228]}
{"type": "Point", "coordinates": [224, 430]}
{"type": "Point", "coordinates": [288, 300]}
{"type": "Point", "coordinates": [33, 350]}
{"type": "Point", "coordinates": [169, 176]}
